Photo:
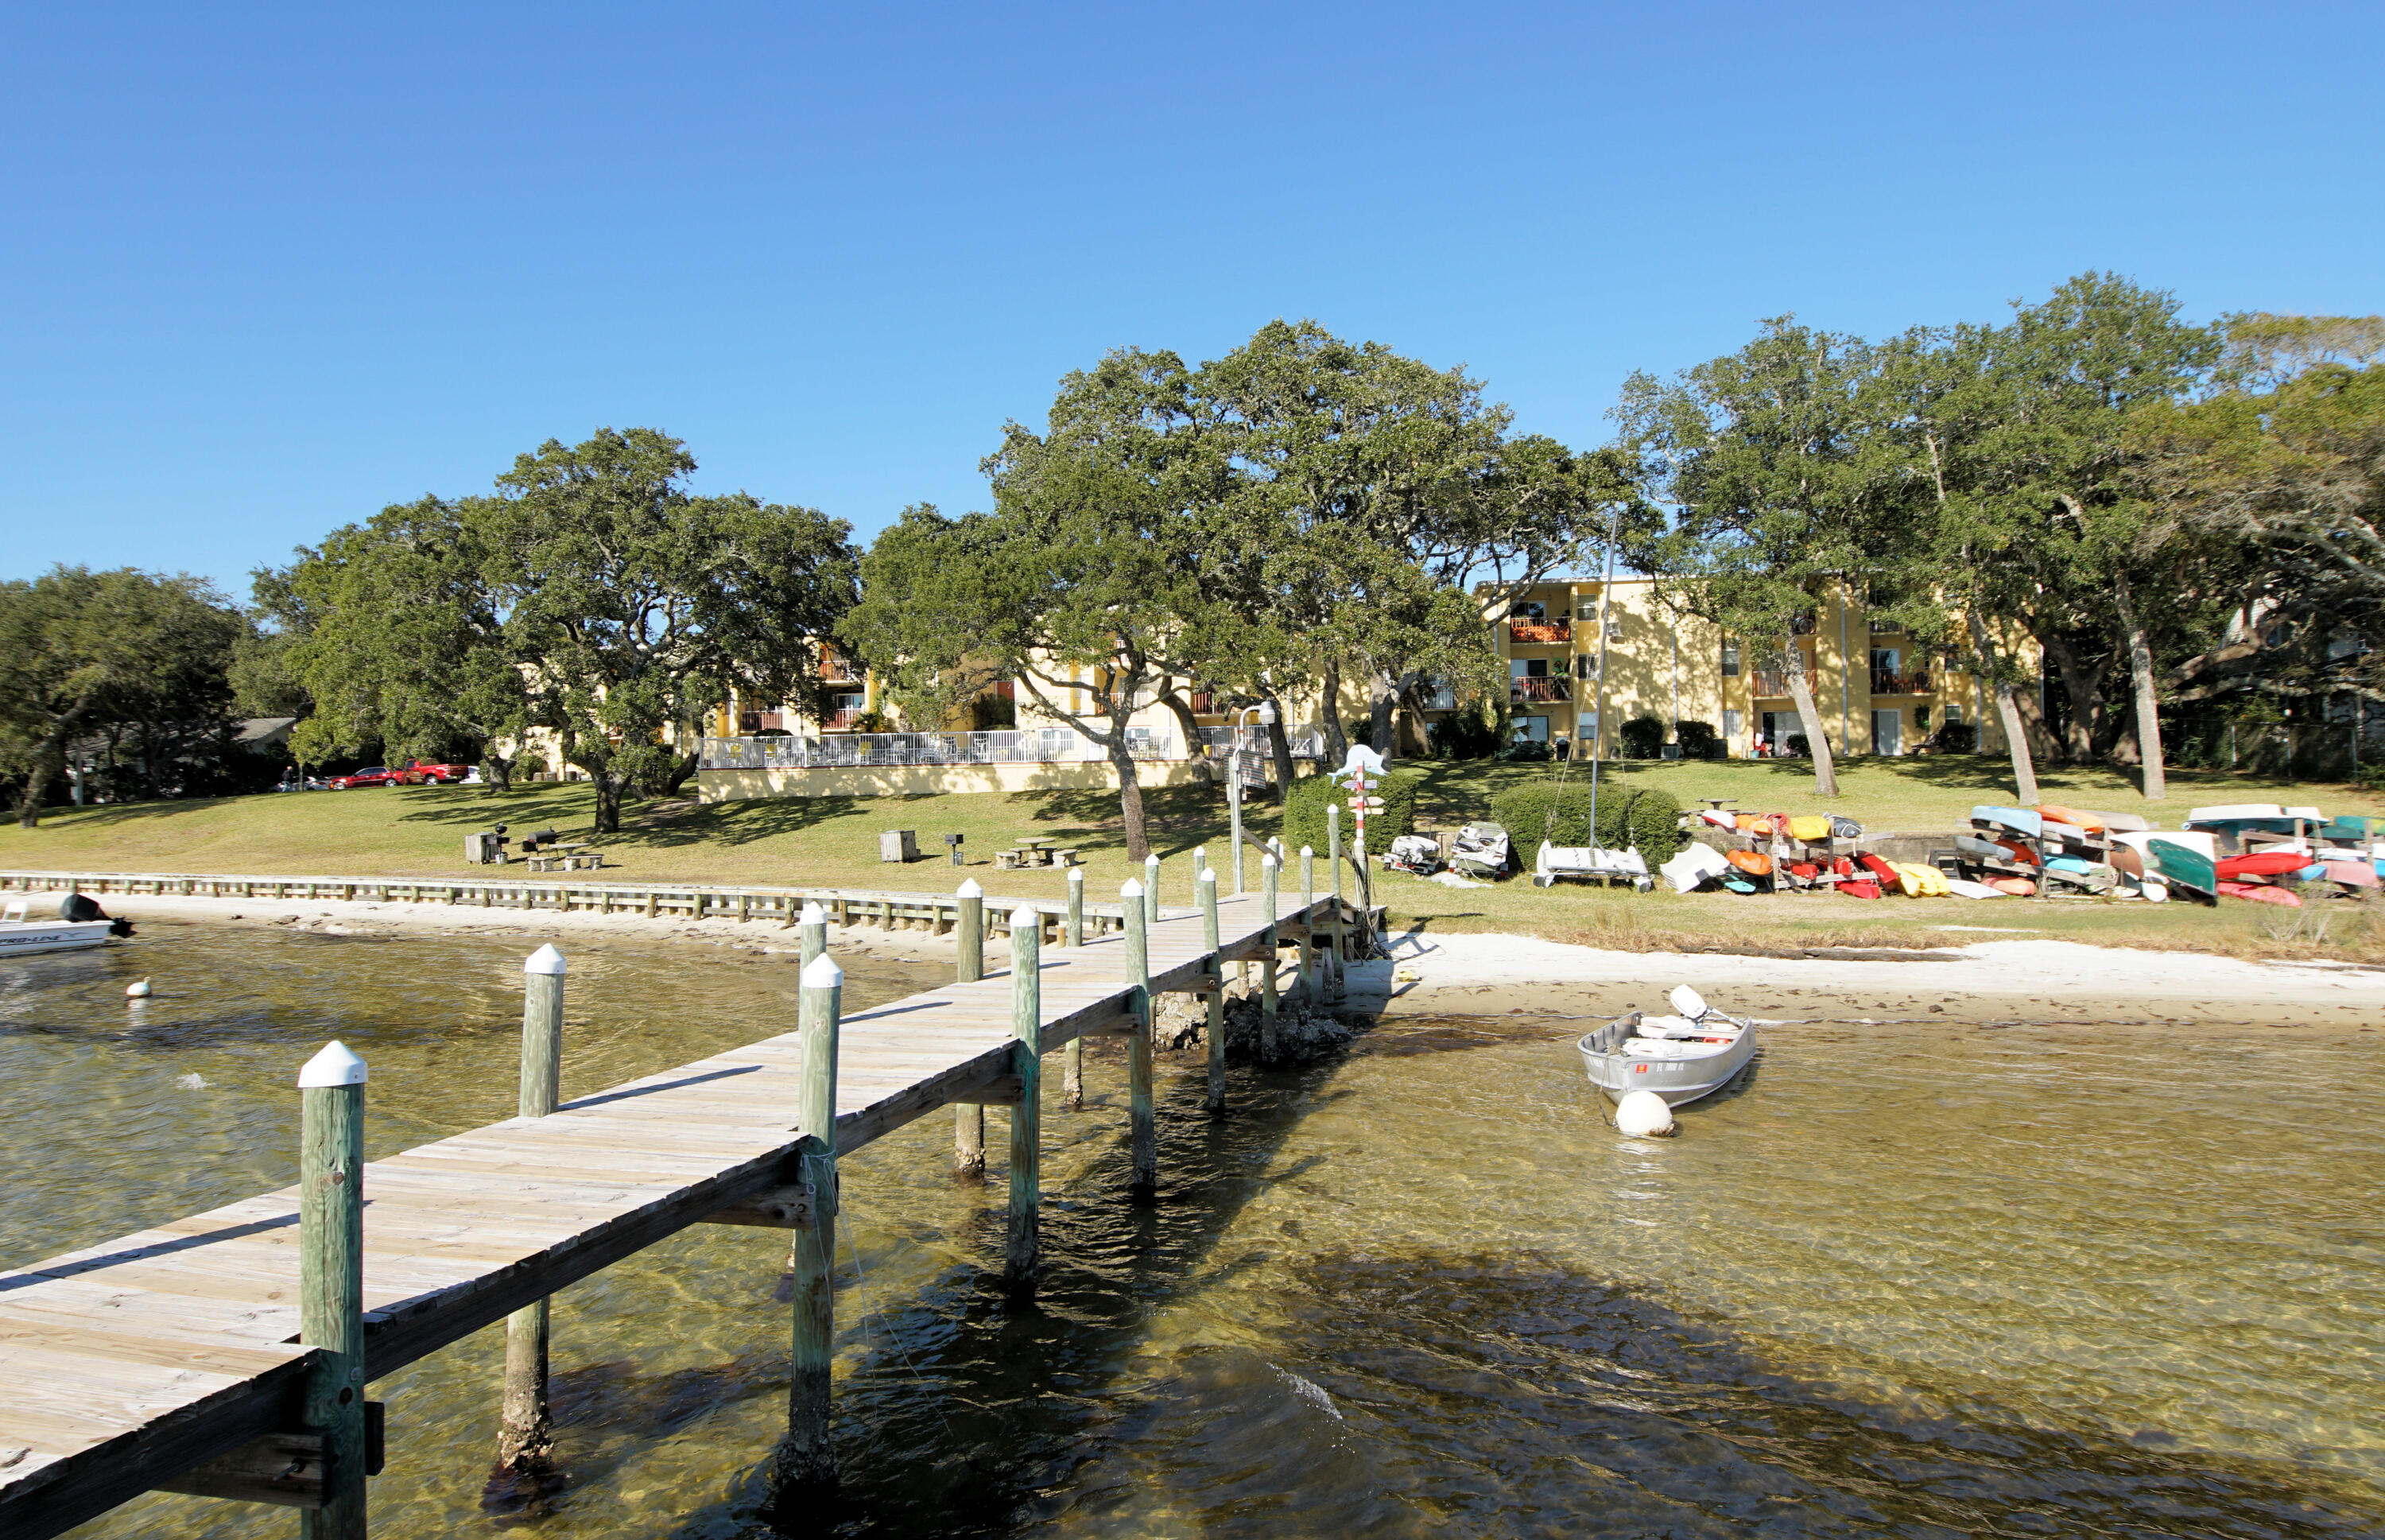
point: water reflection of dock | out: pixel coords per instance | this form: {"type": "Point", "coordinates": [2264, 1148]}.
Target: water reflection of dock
{"type": "Point", "coordinates": [171, 1358]}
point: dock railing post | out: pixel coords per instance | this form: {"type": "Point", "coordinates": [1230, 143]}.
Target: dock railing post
{"type": "Point", "coordinates": [1216, 1099]}
{"type": "Point", "coordinates": [1026, 1118]}
{"type": "Point", "coordinates": [1151, 888]}
{"type": "Point", "coordinates": [808, 1460]}
{"type": "Point", "coordinates": [968, 1117]}
{"type": "Point", "coordinates": [331, 1282]}
{"type": "Point", "coordinates": [1072, 1062]}
{"type": "Point", "coordinates": [526, 1425]}
{"type": "Point", "coordinates": [1309, 993]}
{"type": "Point", "coordinates": [1270, 877]}
{"type": "Point", "coordinates": [1141, 1117]}
{"type": "Point", "coordinates": [1333, 978]}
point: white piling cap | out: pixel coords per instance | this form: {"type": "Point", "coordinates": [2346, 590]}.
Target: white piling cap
{"type": "Point", "coordinates": [1304, 850]}
{"type": "Point", "coordinates": [1075, 874]}
{"type": "Point", "coordinates": [813, 915]}
{"type": "Point", "coordinates": [1209, 874]}
{"type": "Point", "coordinates": [822, 972]}
{"type": "Point", "coordinates": [1027, 917]}
{"type": "Point", "coordinates": [1129, 889]}
{"type": "Point", "coordinates": [333, 1066]}
{"type": "Point", "coordinates": [968, 889]}
{"type": "Point", "coordinates": [1268, 859]}
{"type": "Point", "coordinates": [546, 960]}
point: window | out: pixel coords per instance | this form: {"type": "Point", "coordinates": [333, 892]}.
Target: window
{"type": "Point", "coordinates": [1529, 609]}
{"type": "Point", "coordinates": [1731, 724]}
{"type": "Point", "coordinates": [1953, 716]}
{"type": "Point", "coordinates": [1527, 667]}
{"type": "Point", "coordinates": [1730, 661]}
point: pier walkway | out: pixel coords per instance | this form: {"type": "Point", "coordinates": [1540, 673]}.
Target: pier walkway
{"type": "Point", "coordinates": [125, 1365]}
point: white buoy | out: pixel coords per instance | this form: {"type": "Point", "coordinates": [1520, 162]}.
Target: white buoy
{"type": "Point", "coordinates": [137, 990]}
{"type": "Point", "coordinates": [1644, 1115]}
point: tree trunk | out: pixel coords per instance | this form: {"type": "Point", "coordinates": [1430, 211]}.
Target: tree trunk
{"type": "Point", "coordinates": [1800, 690]}
{"type": "Point", "coordinates": [2148, 711]}
{"type": "Point", "coordinates": [680, 772]}
{"type": "Point", "coordinates": [2083, 683]}
{"type": "Point", "coordinates": [48, 762]}
{"type": "Point", "coordinates": [609, 788]}
{"type": "Point", "coordinates": [496, 769]}
{"type": "Point", "coordinates": [1382, 699]}
{"type": "Point", "coordinates": [1197, 752]}
{"type": "Point", "coordinates": [1329, 713]}
{"type": "Point", "coordinates": [1280, 750]}
{"type": "Point", "coordinates": [1138, 841]}
{"type": "Point", "coordinates": [2007, 712]}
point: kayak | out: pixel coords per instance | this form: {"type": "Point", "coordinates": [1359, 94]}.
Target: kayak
{"type": "Point", "coordinates": [2353, 874]}
{"type": "Point", "coordinates": [2071, 816]}
{"type": "Point", "coordinates": [2267, 863]}
{"type": "Point", "coordinates": [1920, 882]}
{"type": "Point", "coordinates": [1964, 888]}
{"type": "Point", "coordinates": [2127, 860]}
{"type": "Point", "coordinates": [2260, 893]}
{"type": "Point", "coordinates": [2123, 823]}
{"type": "Point", "coordinates": [2020, 820]}
{"type": "Point", "coordinates": [2187, 868]}
{"type": "Point", "coordinates": [2020, 888]}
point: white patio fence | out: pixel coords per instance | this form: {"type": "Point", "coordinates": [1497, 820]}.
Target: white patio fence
{"type": "Point", "coordinates": [1049, 746]}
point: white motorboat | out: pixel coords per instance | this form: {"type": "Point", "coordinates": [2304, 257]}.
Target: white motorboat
{"type": "Point", "coordinates": [89, 927]}
{"type": "Point", "coordinates": [1680, 1057]}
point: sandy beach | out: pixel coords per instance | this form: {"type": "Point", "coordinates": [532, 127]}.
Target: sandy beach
{"type": "Point", "coordinates": [1473, 974]}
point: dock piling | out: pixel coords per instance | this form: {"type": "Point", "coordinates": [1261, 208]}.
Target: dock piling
{"type": "Point", "coordinates": [1200, 865]}
{"type": "Point", "coordinates": [1151, 888]}
{"type": "Point", "coordinates": [1142, 1115]}
{"type": "Point", "coordinates": [968, 1117]}
{"type": "Point", "coordinates": [1309, 991]}
{"type": "Point", "coordinates": [1333, 956]}
{"type": "Point", "coordinates": [810, 1460]}
{"type": "Point", "coordinates": [1026, 1118]}
{"type": "Point", "coordinates": [811, 936]}
{"type": "Point", "coordinates": [1270, 877]}
{"type": "Point", "coordinates": [526, 1425]}
{"type": "Point", "coordinates": [331, 1283]}
{"type": "Point", "coordinates": [1072, 1062]}
{"type": "Point", "coordinates": [1214, 994]}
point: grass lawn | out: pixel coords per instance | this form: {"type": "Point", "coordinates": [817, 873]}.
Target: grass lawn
{"type": "Point", "coordinates": [833, 842]}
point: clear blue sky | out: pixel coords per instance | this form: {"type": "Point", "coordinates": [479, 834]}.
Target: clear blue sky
{"type": "Point", "coordinates": [269, 269]}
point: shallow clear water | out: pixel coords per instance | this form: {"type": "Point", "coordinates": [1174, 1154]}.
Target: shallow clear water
{"type": "Point", "coordinates": [1920, 1280]}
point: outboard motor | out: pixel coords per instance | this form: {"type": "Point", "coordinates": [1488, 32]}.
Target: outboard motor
{"type": "Point", "coordinates": [77, 909]}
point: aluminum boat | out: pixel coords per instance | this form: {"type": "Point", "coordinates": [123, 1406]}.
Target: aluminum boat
{"type": "Point", "coordinates": [1681, 1057]}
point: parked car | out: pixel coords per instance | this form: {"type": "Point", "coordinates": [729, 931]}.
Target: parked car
{"type": "Point", "coordinates": [377, 775]}
{"type": "Point", "coordinates": [436, 775]}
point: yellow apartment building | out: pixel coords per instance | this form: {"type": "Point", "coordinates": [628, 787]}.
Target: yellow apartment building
{"type": "Point", "coordinates": [1877, 691]}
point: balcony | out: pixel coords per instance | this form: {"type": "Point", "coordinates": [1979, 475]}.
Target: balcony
{"type": "Point", "coordinates": [1890, 681]}
{"type": "Point", "coordinates": [1770, 682]}
{"type": "Point", "coordinates": [1539, 687]}
{"type": "Point", "coordinates": [1203, 702]}
{"type": "Point", "coordinates": [1539, 634]}
{"type": "Point", "coordinates": [842, 722]}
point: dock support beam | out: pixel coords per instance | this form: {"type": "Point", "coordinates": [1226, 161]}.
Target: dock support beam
{"type": "Point", "coordinates": [331, 1283]}
{"type": "Point", "coordinates": [1026, 1118]}
{"type": "Point", "coordinates": [1072, 1064]}
{"type": "Point", "coordinates": [1214, 994]}
{"type": "Point", "coordinates": [968, 1117]}
{"type": "Point", "coordinates": [1333, 956]}
{"type": "Point", "coordinates": [1270, 880]}
{"type": "Point", "coordinates": [526, 1426]}
{"type": "Point", "coordinates": [810, 1460]}
{"type": "Point", "coordinates": [1142, 1117]}
{"type": "Point", "coordinates": [1308, 992]}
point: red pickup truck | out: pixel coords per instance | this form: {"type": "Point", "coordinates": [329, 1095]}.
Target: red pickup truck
{"type": "Point", "coordinates": [435, 775]}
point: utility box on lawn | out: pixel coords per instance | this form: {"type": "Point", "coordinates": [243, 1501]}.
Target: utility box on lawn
{"type": "Point", "coordinates": [899, 844]}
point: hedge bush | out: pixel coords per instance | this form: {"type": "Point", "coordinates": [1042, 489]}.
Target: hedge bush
{"type": "Point", "coordinates": [1463, 734]}
{"type": "Point", "coordinates": [1643, 737]}
{"type": "Point", "coordinates": [1304, 813]}
{"type": "Point", "coordinates": [1638, 818]}
{"type": "Point", "coordinates": [1698, 740]}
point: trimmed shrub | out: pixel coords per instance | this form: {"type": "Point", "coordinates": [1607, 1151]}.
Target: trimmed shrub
{"type": "Point", "coordinates": [1698, 740]}
{"type": "Point", "coordinates": [1463, 734]}
{"type": "Point", "coordinates": [1304, 814]}
{"type": "Point", "coordinates": [1633, 818]}
{"type": "Point", "coordinates": [1643, 737]}
{"type": "Point", "coordinates": [1524, 751]}
{"type": "Point", "coordinates": [1955, 738]}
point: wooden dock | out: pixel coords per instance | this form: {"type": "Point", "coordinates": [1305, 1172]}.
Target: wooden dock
{"type": "Point", "coordinates": [170, 1358]}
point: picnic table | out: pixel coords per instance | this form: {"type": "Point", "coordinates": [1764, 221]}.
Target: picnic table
{"type": "Point", "coordinates": [1034, 852]}
{"type": "Point", "coordinates": [566, 857]}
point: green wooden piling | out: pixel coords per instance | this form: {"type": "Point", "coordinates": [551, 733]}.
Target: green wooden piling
{"type": "Point", "coordinates": [1200, 865]}
{"type": "Point", "coordinates": [526, 1425]}
{"type": "Point", "coordinates": [1026, 1118]}
{"type": "Point", "coordinates": [1072, 1062]}
{"type": "Point", "coordinates": [1333, 956]}
{"type": "Point", "coordinates": [1141, 1117]}
{"type": "Point", "coordinates": [808, 1460]}
{"type": "Point", "coordinates": [1214, 994]}
{"type": "Point", "coordinates": [968, 1117]}
{"type": "Point", "coordinates": [1308, 992]}
{"type": "Point", "coordinates": [1269, 879]}
{"type": "Point", "coordinates": [331, 1283]}
{"type": "Point", "coordinates": [811, 934]}
{"type": "Point", "coordinates": [1151, 888]}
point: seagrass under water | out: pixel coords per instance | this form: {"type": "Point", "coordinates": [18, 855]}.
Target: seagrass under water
{"type": "Point", "coordinates": [1915, 1280]}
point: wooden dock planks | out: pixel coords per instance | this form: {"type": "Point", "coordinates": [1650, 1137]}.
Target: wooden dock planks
{"type": "Point", "coordinates": [126, 1363]}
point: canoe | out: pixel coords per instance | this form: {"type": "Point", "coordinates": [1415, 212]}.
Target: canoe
{"type": "Point", "coordinates": [2236, 812]}
{"type": "Point", "coordinates": [2353, 874]}
{"type": "Point", "coordinates": [2260, 893]}
{"type": "Point", "coordinates": [1986, 850]}
{"type": "Point", "coordinates": [2071, 816]}
{"type": "Point", "coordinates": [2127, 860]}
{"type": "Point", "coordinates": [2185, 866]}
{"type": "Point", "coordinates": [2020, 820]}
{"type": "Point", "coordinates": [2020, 888]}
{"type": "Point", "coordinates": [2266, 863]}
{"type": "Point", "coordinates": [2124, 824]}
{"type": "Point", "coordinates": [2053, 830]}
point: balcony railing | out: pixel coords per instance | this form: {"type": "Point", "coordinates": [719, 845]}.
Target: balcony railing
{"type": "Point", "coordinates": [839, 722]}
{"type": "Point", "coordinates": [1540, 687]}
{"type": "Point", "coordinates": [1055, 746]}
{"type": "Point", "coordinates": [1891, 682]}
{"type": "Point", "coordinates": [1540, 632]}
{"type": "Point", "coordinates": [1770, 682]}
{"type": "Point", "coordinates": [1307, 739]}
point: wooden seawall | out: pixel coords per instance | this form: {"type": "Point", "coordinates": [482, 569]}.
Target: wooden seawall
{"type": "Point", "coordinates": [155, 1359]}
